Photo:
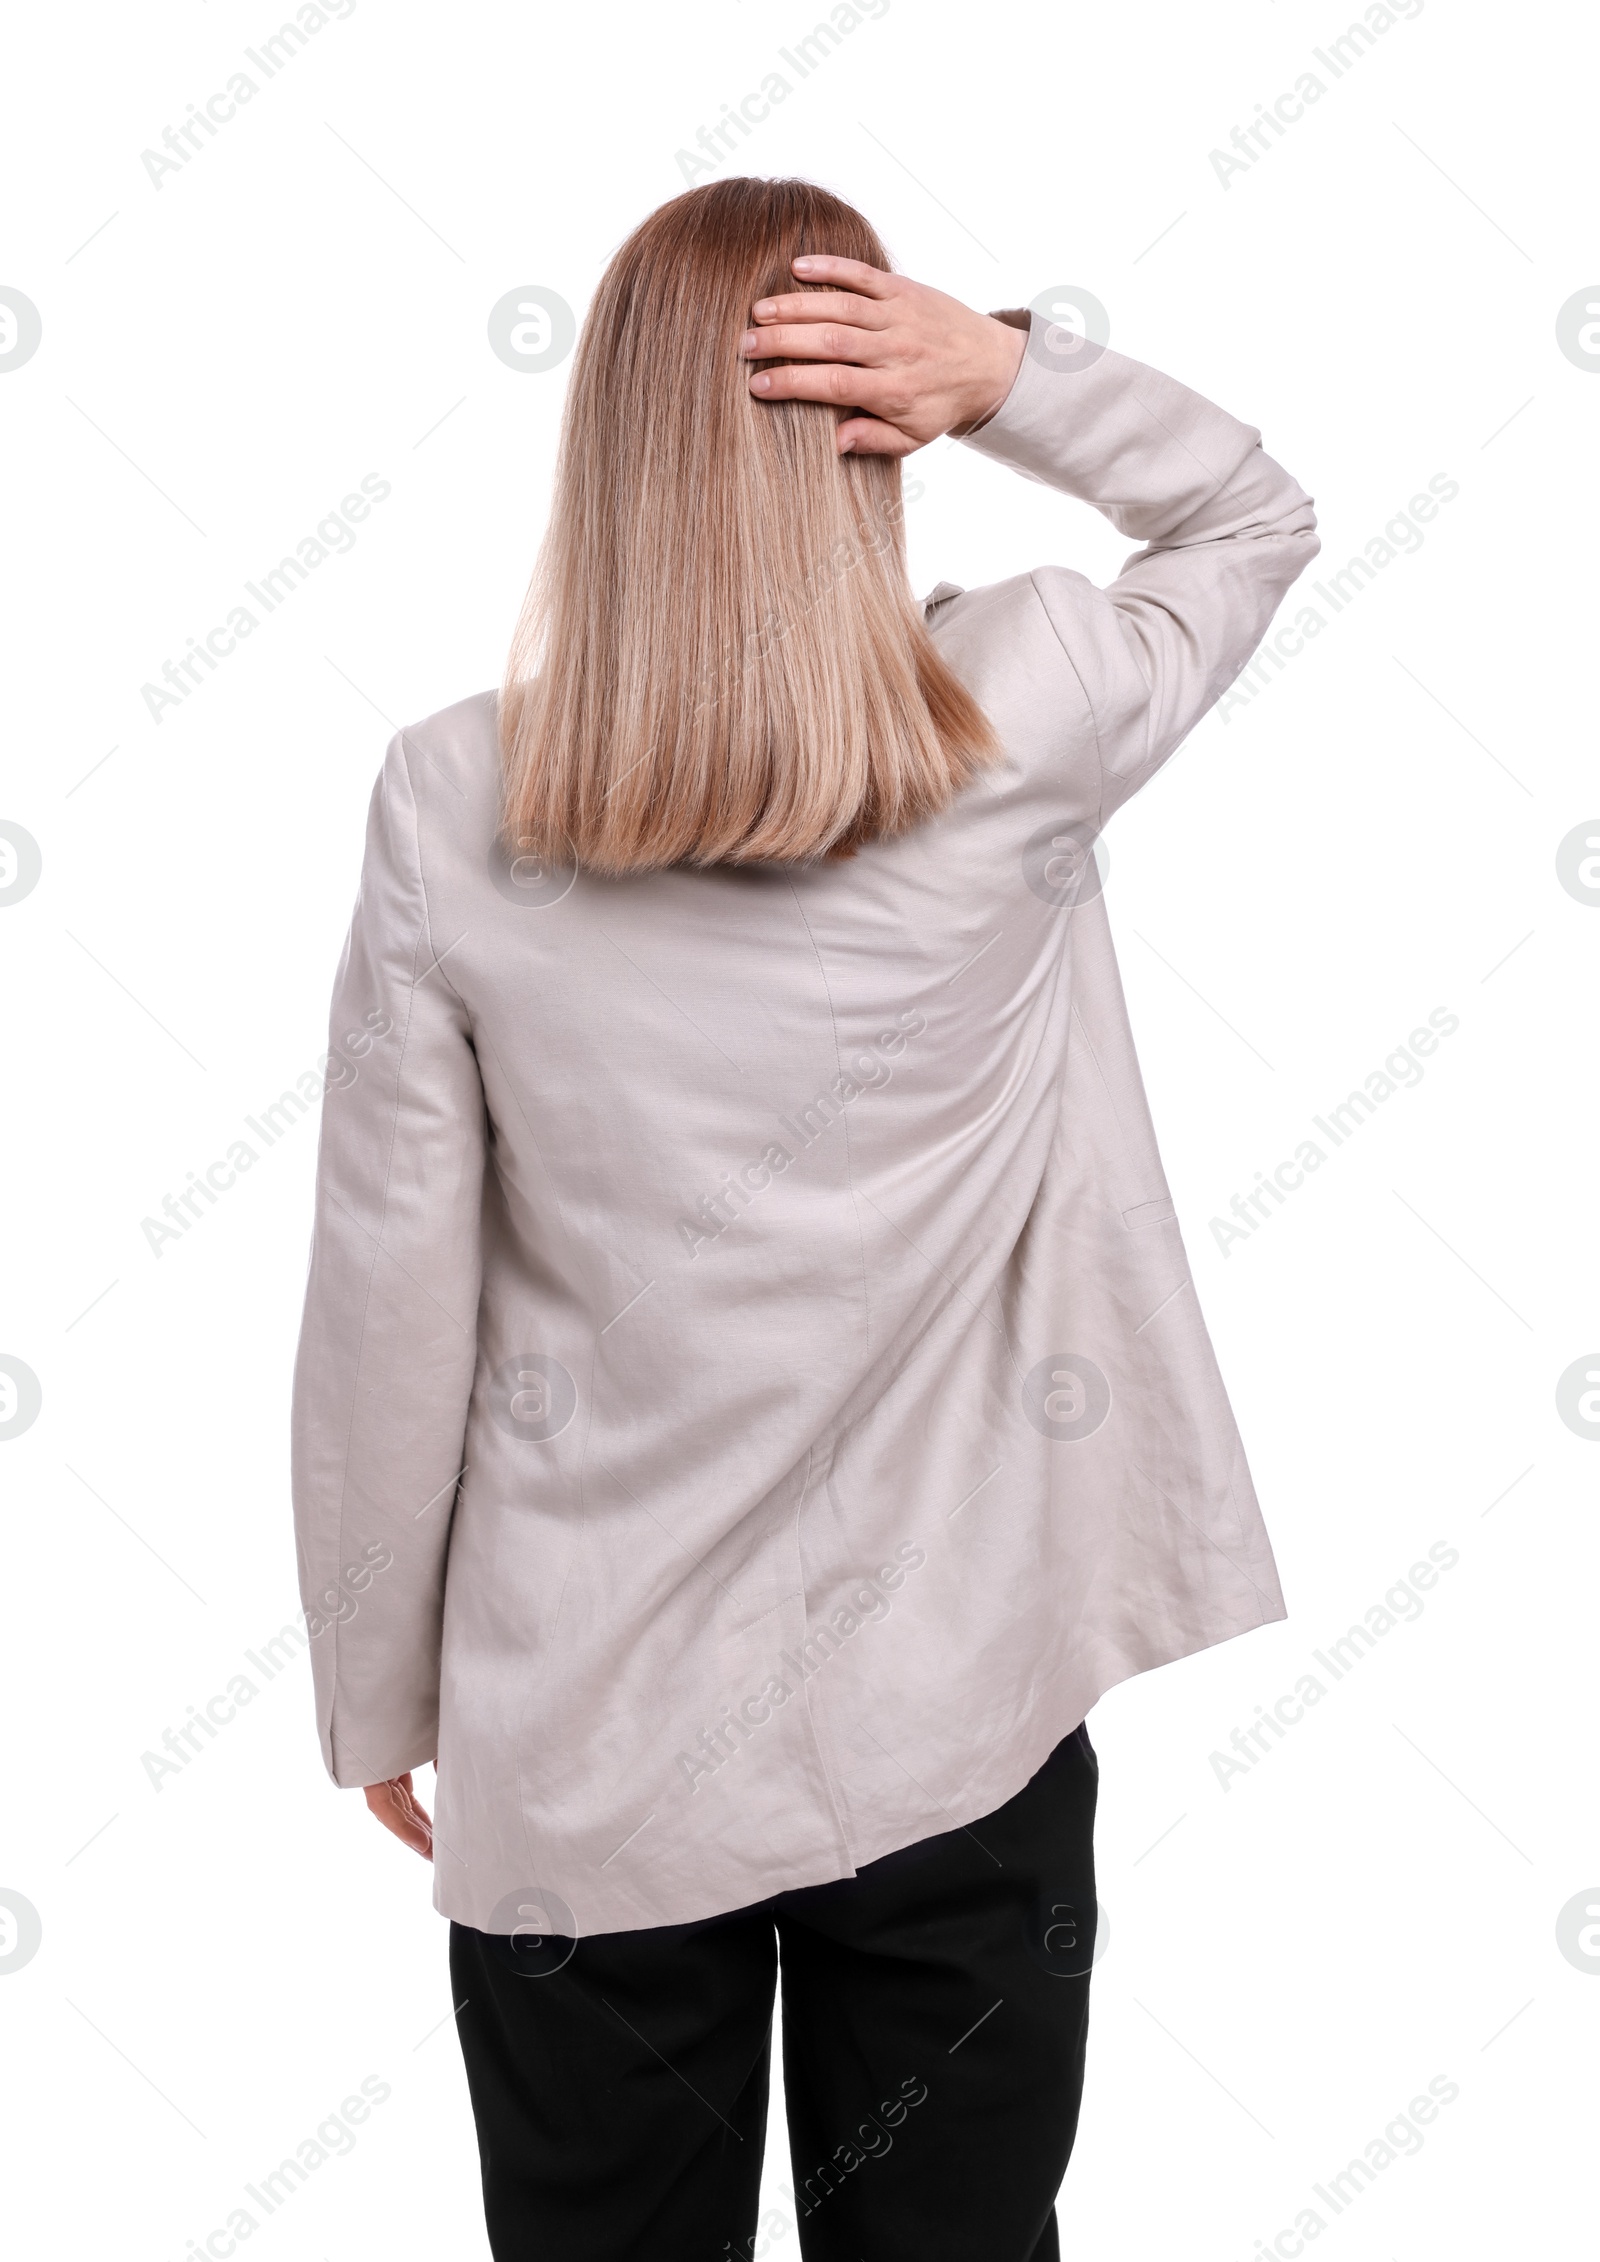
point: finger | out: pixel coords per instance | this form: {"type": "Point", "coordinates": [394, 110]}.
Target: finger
{"type": "Point", "coordinates": [831, 381]}
{"type": "Point", "coordinates": [398, 1811]}
{"type": "Point", "coordinates": [405, 1802]}
{"type": "Point", "coordinates": [412, 1828]}
{"type": "Point", "coordinates": [418, 1834]}
{"type": "Point", "coordinates": [384, 1808]}
{"type": "Point", "coordinates": [830, 341]}
{"type": "Point", "coordinates": [419, 1822]}
{"type": "Point", "coordinates": [415, 1804]}
{"type": "Point", "coordinates": [825, 306]}
{"type": "Point", "coordinates": [849, 274]}
{"type": "Point", "coordinates": [870, 436]}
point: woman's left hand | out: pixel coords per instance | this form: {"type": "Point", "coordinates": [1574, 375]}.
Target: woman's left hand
{"type": "Point", "coordinates": [396, 1807]}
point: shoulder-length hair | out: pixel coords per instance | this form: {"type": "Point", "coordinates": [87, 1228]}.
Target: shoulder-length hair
{"type": "Point", "coordinates": [719, 659]}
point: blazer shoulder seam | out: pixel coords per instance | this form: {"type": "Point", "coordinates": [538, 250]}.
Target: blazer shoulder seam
{"type": "Point", "coordinates": [438, 966]}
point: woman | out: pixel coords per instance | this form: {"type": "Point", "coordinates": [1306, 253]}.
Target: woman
{"type": "Point", "coordinates": [752, 1399]}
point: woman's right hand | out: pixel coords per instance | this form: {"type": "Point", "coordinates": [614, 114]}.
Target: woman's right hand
{"type": "Point", "coordinates": [913, 361]}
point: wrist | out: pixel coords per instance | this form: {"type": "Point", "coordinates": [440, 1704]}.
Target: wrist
{"type": "Point", "coordinates": [1004, 346]}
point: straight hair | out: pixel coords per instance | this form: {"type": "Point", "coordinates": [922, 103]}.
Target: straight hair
{"type": "Point", "coordinates": [720, 659]}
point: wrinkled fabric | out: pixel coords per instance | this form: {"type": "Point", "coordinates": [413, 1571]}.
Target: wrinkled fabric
{"type": "Point", "coordinates": [752, 1399]}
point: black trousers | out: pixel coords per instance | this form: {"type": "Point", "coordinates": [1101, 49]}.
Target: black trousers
{"type": "Point", "coordinates": [935, 2008]}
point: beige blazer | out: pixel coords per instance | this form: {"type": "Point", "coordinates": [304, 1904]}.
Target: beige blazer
{"type": "Point", "coordinates": [752, 1398]}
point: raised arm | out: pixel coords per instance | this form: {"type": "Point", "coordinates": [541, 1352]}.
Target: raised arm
{"type": "Point", "coordinates": [1225, 529]}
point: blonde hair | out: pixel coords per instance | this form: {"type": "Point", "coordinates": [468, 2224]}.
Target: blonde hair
{"type": "Point", "coordinates": [719, 659]}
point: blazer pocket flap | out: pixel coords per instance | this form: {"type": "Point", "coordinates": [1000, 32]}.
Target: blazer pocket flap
{"type": "Point", "coordinates": [1150, 1213]}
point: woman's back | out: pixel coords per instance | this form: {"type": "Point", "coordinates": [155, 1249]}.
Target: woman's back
{"type": "Point", "coordinates": [785, 1252]}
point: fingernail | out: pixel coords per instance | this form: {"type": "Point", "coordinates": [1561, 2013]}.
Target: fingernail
{"type": "Point", "coordinates": [802, 266]}
{"type": "Point", "coordinates": [766, 306]}
{"type": "Point", "coordinates": [761, 382]}
{"type": "Point", "coordinates": [749, 342]}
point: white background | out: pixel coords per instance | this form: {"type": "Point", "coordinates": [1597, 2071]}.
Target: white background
{"type": "Point", "coordinates": [1375, 1901]}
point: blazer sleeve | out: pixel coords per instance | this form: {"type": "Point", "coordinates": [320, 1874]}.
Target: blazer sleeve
{"type": "Point", "coordinates": [388, 1340]}
{"type": "Point", "coordinates": [1224, 529]}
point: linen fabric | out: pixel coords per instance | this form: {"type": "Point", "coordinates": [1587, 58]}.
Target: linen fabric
{"type": "Point", "coordinates": [752, 1399]}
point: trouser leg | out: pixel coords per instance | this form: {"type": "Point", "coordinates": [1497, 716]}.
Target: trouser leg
{"type": "Point", "coordinates": [935, 2012]}
{"type": "Point", "coordinates": [621, 2096]}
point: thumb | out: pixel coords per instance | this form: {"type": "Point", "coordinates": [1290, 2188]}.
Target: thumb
{"type": "Point", "coordinates": [870, 436]}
